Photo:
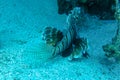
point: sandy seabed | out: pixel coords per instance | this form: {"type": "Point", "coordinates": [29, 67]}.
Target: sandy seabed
{"type": "Point", "coordinates": [21, 22]}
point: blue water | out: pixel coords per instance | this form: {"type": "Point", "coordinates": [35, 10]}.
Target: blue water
{"type": "Point", "coordinates": [21, 24]}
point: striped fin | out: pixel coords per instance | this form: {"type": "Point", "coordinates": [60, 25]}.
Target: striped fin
{"type": "Point", "coordinates": [37, 53]}
{"type": "Point", "coordinates": [65, 42]}
{"type": "Point", "coordinates": [80, 49]}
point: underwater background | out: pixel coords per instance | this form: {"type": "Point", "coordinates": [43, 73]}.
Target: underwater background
{"type": "Point", "coordinates": [21, 25]}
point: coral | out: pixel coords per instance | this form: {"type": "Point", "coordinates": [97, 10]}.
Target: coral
{"type": "Point", "coordinates": [64, 6]}
{"type": "Point", "coordinates": [82, 1]}
{"type": "Point", "coordinates": [103, 9]}
{"type": "Point", "coordinates": [113, 49]}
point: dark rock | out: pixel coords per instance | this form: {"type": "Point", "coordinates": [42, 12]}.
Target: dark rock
{"type": "Point", "coordinates": [103, 9]}
{"type": "Point", "coordinates": [64, 6]}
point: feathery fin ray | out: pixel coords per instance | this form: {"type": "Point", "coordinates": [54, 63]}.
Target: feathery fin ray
{"type": "Point", "coordinates": [37, 54]}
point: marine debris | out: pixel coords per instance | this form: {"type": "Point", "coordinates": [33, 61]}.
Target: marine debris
{"type": "Point", "coordinates": [112, 50]}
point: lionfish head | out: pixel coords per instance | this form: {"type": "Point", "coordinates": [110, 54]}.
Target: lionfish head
{"type": "Point", "coordinates": [52, 35]}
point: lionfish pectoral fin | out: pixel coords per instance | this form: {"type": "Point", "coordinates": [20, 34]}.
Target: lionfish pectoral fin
{"type": "Point", "coordinates": [52, 36]}
{"type": "Point", "coordinates": [80, 48]}
{"type": "Point", "coordinates": [38, 52]}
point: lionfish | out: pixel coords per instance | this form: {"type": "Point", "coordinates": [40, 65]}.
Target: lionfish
{"type": "Point", "coordinates": [66, 44]}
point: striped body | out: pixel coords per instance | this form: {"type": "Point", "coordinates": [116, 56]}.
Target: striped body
{"type": "Point", "coordinates": [70, 35]}
{"type": "Point", "coordinates": [68, 39]}
{"type": "Point", "coordinates": [65, 42]}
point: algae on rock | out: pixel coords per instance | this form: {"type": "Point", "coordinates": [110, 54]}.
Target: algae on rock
{"type": "Point", "coordinates": [112, 50]}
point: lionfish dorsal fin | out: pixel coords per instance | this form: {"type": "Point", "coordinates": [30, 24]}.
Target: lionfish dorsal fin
{"type": "Point", "coordinates": [52, 35]}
